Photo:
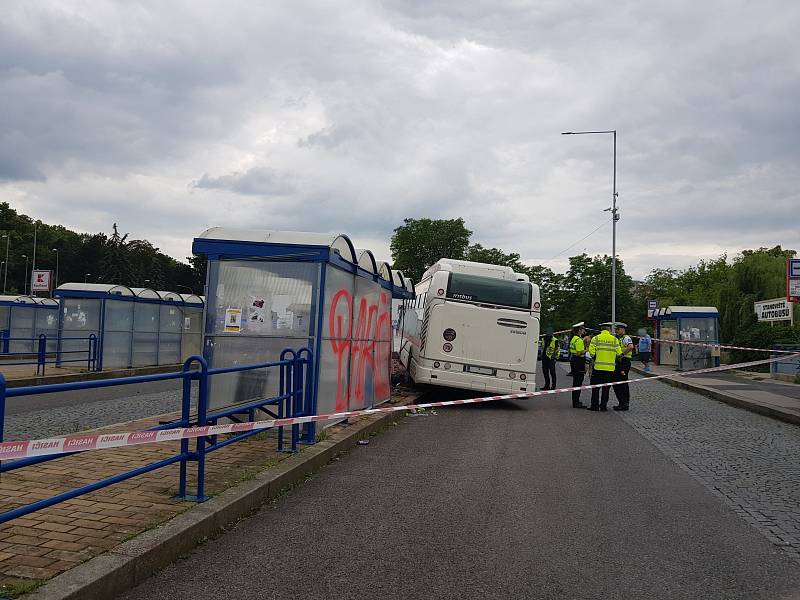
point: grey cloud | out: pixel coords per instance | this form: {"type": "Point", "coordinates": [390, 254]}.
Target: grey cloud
{"type": "Point", "coordinates": [258, 181]}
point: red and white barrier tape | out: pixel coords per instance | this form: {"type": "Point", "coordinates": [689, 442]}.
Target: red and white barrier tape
{"type": "Point", "coordinates": [82, 443]}
{"type": "Point", "coordinates": [724, 346]}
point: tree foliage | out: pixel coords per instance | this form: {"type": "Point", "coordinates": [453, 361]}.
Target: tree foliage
{"type": "Point", "coordinates": [95, 257]}
{"type": "Point", "coordinates": [419, 243]}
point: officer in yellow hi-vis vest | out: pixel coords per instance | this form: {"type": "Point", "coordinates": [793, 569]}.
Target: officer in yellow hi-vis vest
{"type": "Point", "coordinates": [549, 356]}
{"type": "Point", "coordinates": [604, 349]}
{"type": "Point", "coordinates": [577, 361]}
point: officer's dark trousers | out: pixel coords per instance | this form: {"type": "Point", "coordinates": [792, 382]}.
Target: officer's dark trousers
{"type": "Point", "coordinates": [549, 372]}
{"type": "Point", "coordinates": [578, 365]}
{"type": "Point", "coordinates": [621, 390]}
{"type": "Point", "coordinates": [600, 395]}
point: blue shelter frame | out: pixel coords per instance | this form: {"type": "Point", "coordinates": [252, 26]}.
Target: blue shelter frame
{"type": "Point", "coordinates": [691, 324]}
{"type": "Point", "coordinates": [271, 290]}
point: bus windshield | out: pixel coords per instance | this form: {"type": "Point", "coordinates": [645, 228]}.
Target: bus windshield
{"type": "Point", "coordinates": [485, 290]}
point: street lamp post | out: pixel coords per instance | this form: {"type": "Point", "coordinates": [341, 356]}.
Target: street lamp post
{"type": "Point", "coordinates": [614, 219]}
{"type": "Point", "coordinates": [85, 276]}
{"type": "Point", "coordinates": [56, 251]}
{"type": "Point", "coordinates": [25, 284]}
{"type": "Point", "coordinates": [5, 273]}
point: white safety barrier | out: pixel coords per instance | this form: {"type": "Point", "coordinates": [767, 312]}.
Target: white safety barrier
{"type": "Point", "coordinates": [82, 443]}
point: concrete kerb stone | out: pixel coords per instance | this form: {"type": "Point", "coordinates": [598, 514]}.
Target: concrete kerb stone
{"type": "Point", "coordinates": [130, 563]}
{"type": "Point", "coordinates": [728, 398]}
{"type": "Point", "coordinates": [90, 375]}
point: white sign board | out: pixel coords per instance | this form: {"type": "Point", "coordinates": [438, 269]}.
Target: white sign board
{"type": "Point", "coordinates": [779, 309]}
{"type": "Point", "coordinates": [41, 280]}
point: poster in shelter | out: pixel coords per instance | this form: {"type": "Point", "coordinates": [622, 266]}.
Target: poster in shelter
{"type": "Point", "coordinates": [233, 320]}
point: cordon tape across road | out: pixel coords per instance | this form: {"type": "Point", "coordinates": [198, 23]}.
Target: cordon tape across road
{"type": "Point", "coordinates": [82, 443]}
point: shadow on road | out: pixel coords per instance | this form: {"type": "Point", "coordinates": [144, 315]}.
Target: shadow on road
{"type": "Point", "coordinates": [444, 395]}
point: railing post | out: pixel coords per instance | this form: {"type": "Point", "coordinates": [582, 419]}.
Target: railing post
{"type": "Point", "coordinates": [5, 335]}
{"type": "Point", "coordinates": [186, 405]}
{"type": "Point", "coordinates": [91, 363]}
{"type": "Point", "coordinates": [287, 374]}
{"type": "Point", "coordinates": [202, 417]}
{"type": "Point", "coordinates": [308, 390]}
{"type": "Point", "coordinates": [41, 354]}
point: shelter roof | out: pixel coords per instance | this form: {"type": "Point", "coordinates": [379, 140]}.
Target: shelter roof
{"type": "Point", "coordinates": [339, 243]}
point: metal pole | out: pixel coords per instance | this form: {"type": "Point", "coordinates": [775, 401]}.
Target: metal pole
{"type": "Point", "coordinates": [33, 260]}
{"type": "Point", "coordinates": [57, 256]}
{"type": "Point", "coordinates": [25, 286]}
{"type": "Point", "coordinates": [614, 241]}
{"type": "Point", "coordinates": [5, 275]}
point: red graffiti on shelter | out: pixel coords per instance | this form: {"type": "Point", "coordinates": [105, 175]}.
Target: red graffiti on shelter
{"type": "Point", "coordinates": [373, 323]}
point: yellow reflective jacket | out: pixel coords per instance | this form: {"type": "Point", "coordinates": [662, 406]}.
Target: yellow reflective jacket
{"type": "Point", "coordinates": [605, 349]}
{"type": "Point", "coordinates": [576, 347]}
{"type": "Point", "coordinates": [551, 351]}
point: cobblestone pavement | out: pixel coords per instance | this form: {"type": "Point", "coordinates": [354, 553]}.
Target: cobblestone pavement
{"type": "Point", "coordinates": [65, 419]}
{"type": "Point", "coordinates": [749, 461]}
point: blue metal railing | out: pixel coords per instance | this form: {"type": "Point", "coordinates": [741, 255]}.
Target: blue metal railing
{"type": "Point", "coordinates": [41, 352]}
{"type": "Point", "coordinates": [294, 368]}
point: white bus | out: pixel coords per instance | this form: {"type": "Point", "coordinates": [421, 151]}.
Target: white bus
{"type": "Point", "coordinates": [472, 326]}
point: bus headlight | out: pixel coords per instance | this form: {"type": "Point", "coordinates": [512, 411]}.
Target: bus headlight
{"type": "Point", "coordinates": [522, 376]}
{"type": "Point", "coordinates": [436, 364]}
{"type": "Point", "coordinates": [447, 365]}
{"type": "Point", "coordinates": [512, 375]}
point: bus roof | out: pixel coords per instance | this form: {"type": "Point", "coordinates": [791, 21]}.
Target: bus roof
{"type": "Point", "coordinates": [469, 267]}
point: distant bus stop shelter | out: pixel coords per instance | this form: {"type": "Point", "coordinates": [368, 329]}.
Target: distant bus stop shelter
{"type": "Point", "coordinates": [135, 327]}
{"type": "Point", "coordinates": [271, 290]}
{"type": "Point", "coordinates": [23, 319]}
{"type": "Point", "coordinates": [698, 324]}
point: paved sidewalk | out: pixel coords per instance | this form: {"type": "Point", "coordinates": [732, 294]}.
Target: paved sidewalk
{"type": "Point", "coordinates": [751, 391]}
{"type": "Point", "coordinates": [45, 543]}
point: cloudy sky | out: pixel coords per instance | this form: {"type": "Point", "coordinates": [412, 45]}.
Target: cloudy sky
{"type": "Point", "coordinates": [348, 116]}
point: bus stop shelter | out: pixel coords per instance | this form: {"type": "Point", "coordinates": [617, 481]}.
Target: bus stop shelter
{"type": "Point", "coordinates": [135, 327]}
{"type": "Point", "coordinates": [271, 290]}
{"type": "Point", "coordinates": [23, 319]}
{"type": "Point", "coordinates": [699, 324]}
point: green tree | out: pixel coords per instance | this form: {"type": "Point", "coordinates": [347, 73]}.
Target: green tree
{"type": "Point", "coordinates": [419, 243]}
{"type": "Point", "coordinates": [494, 256]}
{"type": "Point", "coordinates": [116, 266]}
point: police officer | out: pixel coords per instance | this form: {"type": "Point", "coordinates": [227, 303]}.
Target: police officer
{"type": "Point", "coordinates": [604, 349]}
{"type": "Point", "coordinates": [549, 356]}
{"type": "Point", "coordinates": [622, 390]}
{"type": "Point", "coordinates": [577, 361]}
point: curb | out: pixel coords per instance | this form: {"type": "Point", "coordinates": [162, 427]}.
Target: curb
{"type": "Point", "coordinates": [90, 375]}
{"type": "Point", "coordinates": [130, 563]}
{"type": "Point", "coordinates": [729, 398]}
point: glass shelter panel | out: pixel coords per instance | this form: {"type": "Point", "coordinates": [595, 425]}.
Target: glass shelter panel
{"type": "Point", "coordinates": [192, 333]}
{"type": "Point", "coordinates": [255, 310]}
{"type": "Point", "coordinates": [668, 353]}
{"type": "Point", "coordinates": [23, 321]}
{"type": "Point", "coordinates": [80, 319]}
{"type": "Point", "coordinates": [117, 335]}
{"type": "Point", "coordinates": [145, 335]}
{"type": "Point", "coordinates": [47, 324]}
{"type": "Point", "coordinates": [704, 330]}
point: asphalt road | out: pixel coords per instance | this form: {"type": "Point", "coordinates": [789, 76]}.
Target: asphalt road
{"type": "Point", "coordinates": [524, 499]}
